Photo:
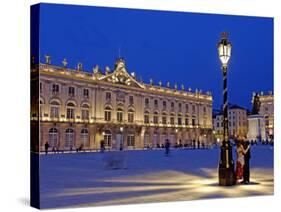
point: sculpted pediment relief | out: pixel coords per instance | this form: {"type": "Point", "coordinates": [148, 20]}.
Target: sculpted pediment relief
{"type": "Point", "coordinates": [121, 76]}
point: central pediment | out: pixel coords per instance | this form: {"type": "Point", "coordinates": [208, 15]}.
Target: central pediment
{"type": "Point", "coordinates": [121, 76]}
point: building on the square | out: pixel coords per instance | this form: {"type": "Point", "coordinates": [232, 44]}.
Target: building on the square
{"type": "Point", "coordinates": [83, 108]}
{"type": "Point", "coordinates": [237, 123]}
{"type": "Point", "coordinates": [267, 111]}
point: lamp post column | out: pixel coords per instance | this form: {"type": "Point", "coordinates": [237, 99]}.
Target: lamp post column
{"type": "Point", "coordinates": [226, 165]}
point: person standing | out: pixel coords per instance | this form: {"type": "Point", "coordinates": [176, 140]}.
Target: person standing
{"type": "Point", "coordinates": [240, 161]}
{"type": "Point", "coordinates": [102, 146]}
{"type": "Point", "coordinates": [246, 169]}
{"type": "Point", "coordinates": [167, 147]}
{"type": "Point", "coordinates": [46, 147]}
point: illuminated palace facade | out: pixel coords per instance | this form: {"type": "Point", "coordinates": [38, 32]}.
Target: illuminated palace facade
{"type": "Point", "coordinates": [267, 111]}
{"type": "Point", "coordinates": [79, 108]}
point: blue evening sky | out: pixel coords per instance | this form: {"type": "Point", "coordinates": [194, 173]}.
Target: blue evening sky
{"type": "Point", "coordinates": [170, 46]}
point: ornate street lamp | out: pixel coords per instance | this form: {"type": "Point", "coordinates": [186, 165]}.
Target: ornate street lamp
{"type": "Point", "coordinates": [226, 165]}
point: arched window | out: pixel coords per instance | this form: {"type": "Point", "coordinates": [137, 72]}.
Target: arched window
{"type": "Point", "coordinates": [85, 137]}
{"type": "Point", "coordinates": [119, 115]}
{"type": "Point", "coordinates": [107, 138]}
{"type": "Point", "coordinates": [155, 117]}
{"type": "Point", "coordinates": [69, 138]}
{"type": "Point", "coordinates": [85, 112]}
{"type": "Point", "coordinates": [53, 137]}
{"type": "Point", "coordinates": [70, 110]}
{"type": "Point", "coordinates": [107, 114]}
{"type": "Point", "coordinates": [179, 106]}
{"type": "Point", "coordinates": [131, 115]}
{"type": "Point", "coordinates": [54, 109]}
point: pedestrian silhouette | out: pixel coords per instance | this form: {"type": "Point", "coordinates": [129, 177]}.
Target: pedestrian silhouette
{"type": "Point", "coordinates": [102, 146]}
{"type": "Point", "coordinates": [46, 147]}
{"type": "Point", "coordinates": [167, 147]}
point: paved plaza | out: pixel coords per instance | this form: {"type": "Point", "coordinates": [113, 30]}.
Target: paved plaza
{"type": "Point", "coordinates": [81, 179]}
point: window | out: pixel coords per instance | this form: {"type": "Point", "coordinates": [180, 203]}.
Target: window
{"type": "Point", "coordinates": [54, 113]}
{"type": "Point", "coordinates": [119, 115]}
{"type": "Point", "coordinates": [180, 106]}
{"type": "Point", "coordinates": [146, 117]}
{"type": "Point", "coordinates": [218, 124]}
{"type": "Point", "coordinates": [193, 121]}
{"type": "Point", "coordinates": [107, 114]}
{"type": "Point", "coordinates": [69, 138]}
{"type": "Point", "coordinates": [131, 140]}
{"type": "Point", "coordinates": [155, 103]}
{"type": "Point", "coordinates": [146, 102]}
{"type": "Point", "coordinates": [131, 116]}
{"type": "Point", "coordinates": [155, 118]}
{"type": "Point", "coordinates": [172, 105]}
{"type": "Point", "coordinates": [108, 96]}
{"type": "Point", "coordinates": [172, 120]}
{"type": "Point", "coordinates": [164, 104]}
{"type": "Point", "coordinates": [186, 108]}
{"type": "Point", "coordinates": [71, 91]}
{"type": "Point", "coordinates": [131, 100]}
{"type": "Point", "coordinates": [179, 121]}
{"type": "Point", "coordinates": [85, 112]}
{"type": "Point", "coordinates": [86, 93]}
{"type": "Point", "coordinates": [55, 89]}
{"type": "Point", "coordinates": [84, 137]}
{"type": "Point", "coordinates": [107, 138]}
{"type": "Point", "coordinates": [186, 120]}
{"type": "Point", "coordinates": [40, 87]}
{"type": "Point", "coordinates": [53, 137]}
{"type": "Point", "coordinates": [164, 118]}
{"type": "Point", "coordinates": [70, 113]}
{"type": "Point", "coordinates": [204, 110]}
{"type": "Point", "coordinates": [193, 108]}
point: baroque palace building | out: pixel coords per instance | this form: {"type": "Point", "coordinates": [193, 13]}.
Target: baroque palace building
{"type": "Point", "coordinates": [78, 108]}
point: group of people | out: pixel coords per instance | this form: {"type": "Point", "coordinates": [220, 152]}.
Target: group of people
{"type": "Point", "coordinates": [243, 162]}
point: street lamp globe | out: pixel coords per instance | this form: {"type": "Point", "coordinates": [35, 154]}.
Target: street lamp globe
{"type": "Point", "coordinates": [224, 49]}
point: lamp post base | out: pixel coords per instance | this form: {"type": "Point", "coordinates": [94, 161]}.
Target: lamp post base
{"type": "Point", "coordinates": [226, 173]}
{"type": "Point", "coordinates": [226, 176]}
